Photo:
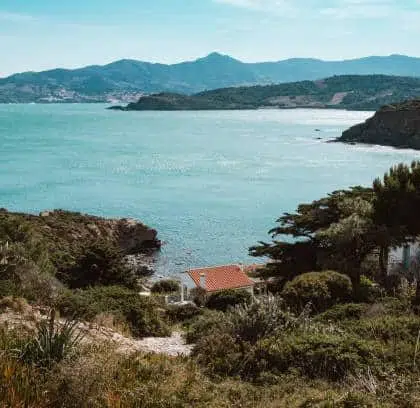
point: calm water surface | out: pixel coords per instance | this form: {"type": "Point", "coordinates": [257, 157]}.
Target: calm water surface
{"type": "Point", "coordinates": [211, 183]}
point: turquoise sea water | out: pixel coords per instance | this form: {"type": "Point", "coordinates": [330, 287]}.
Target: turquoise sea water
{"type": "Point", "coordinates": [211, 183]}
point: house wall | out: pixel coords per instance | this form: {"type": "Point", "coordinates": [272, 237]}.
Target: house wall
{"type": "Point", "coordinates": [404, 258]}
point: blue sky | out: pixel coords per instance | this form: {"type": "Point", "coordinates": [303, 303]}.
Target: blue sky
{"type": "Point", "coordinates": [41, 34]}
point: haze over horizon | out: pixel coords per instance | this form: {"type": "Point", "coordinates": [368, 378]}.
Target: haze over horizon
{"type": "Point", "coordinates": [36, 36]}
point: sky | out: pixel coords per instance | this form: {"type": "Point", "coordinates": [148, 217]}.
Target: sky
{"type": "Point", "coordinates": [42, 34]}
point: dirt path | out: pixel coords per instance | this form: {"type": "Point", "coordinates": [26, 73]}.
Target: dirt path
{"type": "Point", "coordinates": [93, 333]}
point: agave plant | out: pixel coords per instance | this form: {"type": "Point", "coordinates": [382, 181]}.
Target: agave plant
{"type": "Point", "coordinates": [52, 342]}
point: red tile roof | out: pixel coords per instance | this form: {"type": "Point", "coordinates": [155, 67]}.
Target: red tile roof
{"type": "Point", "coordinates": [221, 278]}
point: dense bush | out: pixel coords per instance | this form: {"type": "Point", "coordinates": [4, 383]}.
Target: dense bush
{"type": "Point", "coordinates": [267, 317]}
{"type": "Point", "coordinates": [321, 289]}
{"type": "Point", "coordinates": [165, 286]}
{"type": "Point", "coordinates": [139, 312]}
{"type": "Point", "coordinates": [100, 263]}
{"type": "Point", "coordinates": [8, 288]}
{"type": "Point", "coordinates": [25, 269]}
{"type": "Point", "coordinates": [315, 352]}
{"type": "Point", "coordinates": [183, 313]}
{"type": "Point", "coordinates": [367, 291]}
{"type": "Point", "coordinates": [199, 296]}
{"type": "Point", "coordinates": [228, 298]}
{"type": "Point", "coordinates": [210, 321]}
{"type": "Point", "coordinates": [338, 313]}
{"type": "Point", "coordinates": [386, 328]}
{"type": "Point", "coordinates": [316, 355]}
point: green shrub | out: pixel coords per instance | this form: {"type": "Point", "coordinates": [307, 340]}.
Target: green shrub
{"type": "Point", "coordinates": [8, 288]}
{"type": "Point", "coordinates": [321, 289]}
{"type": "Point", "coordinates": [267, 317]}
{"type": "Point", "coordinates": [386, 328]}
{"type": "Point", "coordinates": [367, 292]}
{"type": "Point", "coordinates": [209, 322]}
{"type": "Point", "coordinates": [139, 312]}
{"type": "Point", "coordinates": [228, 298]}
{"type": "Point", "coordinates": [338, 313]}
{"type": "Point", "coordinates": [199, 296]}
{"type": "Point", "coordinates": [183, 313]}
{"type": "Point", "coordinates": [166, 286]}
{"type": "Point", "coordinates": [316, 355]}
{"type": "Point", "coordinates": [100, 263]}
{"type": "Point", "coordinates": [275, 285]}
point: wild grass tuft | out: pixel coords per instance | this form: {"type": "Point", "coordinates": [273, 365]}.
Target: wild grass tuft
{"type": "Point", "coordinates": [53, 342]}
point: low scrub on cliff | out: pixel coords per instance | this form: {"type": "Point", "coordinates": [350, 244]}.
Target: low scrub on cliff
{"type": "Point", "coordinates": [42, 254]}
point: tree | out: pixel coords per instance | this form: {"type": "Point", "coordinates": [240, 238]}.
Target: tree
{"type": "Point", "coordinates": [335, 232]}
{"type": "Point", "coordinates": [397, 202]}
{"type": "Point", "coordinates": [397, 207]}
{"type": "Point", "coordinates": [100, 264]}
{"type": "Point", "coordinates": [346, 244]}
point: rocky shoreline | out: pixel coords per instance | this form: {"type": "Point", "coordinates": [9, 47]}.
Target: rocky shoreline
{"type": "Point", "coordinates": [396, 125]}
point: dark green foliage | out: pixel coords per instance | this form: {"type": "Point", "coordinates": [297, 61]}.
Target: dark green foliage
{"type": "Point", "coordinates": [334, 232]}
{"type": "Point", "coordinates": [222, 355]}
{"type": "Point", "coordinates": [319, 289]}
{"type": "Point", "coordinates": [41, 253]}
{"type": "Point", "coordinates": [199, 296]}
{"type": "Point", "coordinates": [386, 328]}
{"type": "Point", "coordinates": [397, 199]}
{"type": "Point", "coordinates": [139, 312]}
{"type": "Point", "coordinates": [52, 342]}
{"type": "Point", "coordinates": [204, 325]}
{"type": "Point", "coordinates": [316, 355]}
{"type": "Point", "coordinates": [367, 292]}
{"type": "Point", "coordinates": [165, 286]}
{"type": "Point", "coordinates": [396, 204]}
{"type": "Point", "coordinates": [228, 298]}
{"type": "Point", "coordinates": [264, 318]}
{"type": "Point", "coordinates": [183, 313]}
{"type": "Point", "coordinates": [8, 288]}
{"type": "Point", "coordinates": [339, 313]}
{"type": "Point", "coordinates": [100, 263]}
{"type": "Point", "coordinates": [256, 340]}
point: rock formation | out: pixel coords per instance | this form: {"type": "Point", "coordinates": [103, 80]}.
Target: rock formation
{"type": "Point", "coordinates": [395, 125]}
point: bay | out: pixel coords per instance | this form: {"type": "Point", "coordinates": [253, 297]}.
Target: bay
{"type": "Point", "coordinates": [211, 183]}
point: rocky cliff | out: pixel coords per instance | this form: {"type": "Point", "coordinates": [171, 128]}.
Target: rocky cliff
{"type": "Point", "coordinates": [396, 125]}
{"type": "Point", "coordinates": [63, 229]}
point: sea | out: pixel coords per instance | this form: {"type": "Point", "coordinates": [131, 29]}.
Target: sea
{"type": "Point", "coordinates": [212, 183]}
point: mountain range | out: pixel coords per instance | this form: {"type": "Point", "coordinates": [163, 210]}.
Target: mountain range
{"type": "Point", "coordinates": [126, 80]}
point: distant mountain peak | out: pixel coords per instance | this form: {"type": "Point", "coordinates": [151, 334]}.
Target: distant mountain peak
{"type": "Point", "coordinates": [216, 57]}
